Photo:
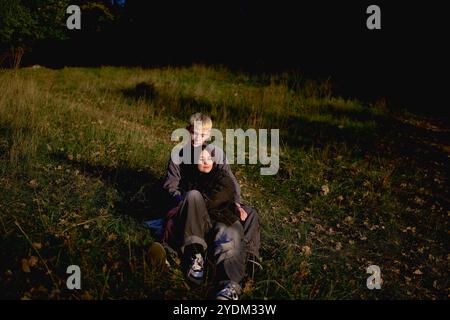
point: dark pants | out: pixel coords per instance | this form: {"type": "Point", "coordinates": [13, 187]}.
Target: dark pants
{"type": "Point", "coordinates": [232, 243]}
{"type": "Point", "coordinates": [252, 236]}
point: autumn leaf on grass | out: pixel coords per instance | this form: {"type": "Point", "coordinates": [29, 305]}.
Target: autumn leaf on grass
{"type": "Point", "coordinates": [306, 250]}
{"type": "Point", "coordinates": [324, 190]}
{"type": "Point", "coordinates": [157, 255]}
{"type": "Point", "coordinates": [303, 271]}
{"type": "Point", "coordinates": [28, 263]}
{"type": "Point", "coordinates": [26, 296]}
{"type": "Point", "coordinates": [37, 245]}
{"type": "Point", "coordinates": [248, 288]}
{"type": "Point", "coordinates": [419, 200]}
{"type": "Point", "coordinates": [412, 229]}
{"type": "Point", "coordinates": [33, 183]}
{"type": "Point", "coordinates": [25, 266]}
{"type": "Point", "coordinates": [87, 296]}
{"type": "Point", "coordinates": [111, 237]}
{"type": "Point", "coordinates": [33, 261]}
{"type": "Point", "coordinates": [348, 220]}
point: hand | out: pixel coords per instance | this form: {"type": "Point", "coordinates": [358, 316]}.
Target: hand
{"type": "Point", "coordinates": [243, 215]}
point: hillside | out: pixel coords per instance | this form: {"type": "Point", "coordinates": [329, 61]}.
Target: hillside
{"type": "Point", "coordinates": [82, 151]}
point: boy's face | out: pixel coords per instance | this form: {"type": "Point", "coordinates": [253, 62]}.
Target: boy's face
{"type": "Point", "coordinates": [199, 135]}
{"type": "Point", "coordinates": [205, 162]}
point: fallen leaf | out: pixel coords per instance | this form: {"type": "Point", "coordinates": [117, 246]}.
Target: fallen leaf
{"type": "Point", "coordinates": [86, 296]}
{"type": "Point", "coordinates": [111, 237]}
{"type": "Point", "coordinates": [248, 288]}
{"type": "Point", "coordinates": [25, 266]}
{"type": "Point", "coordinates": [348, 220]}
{"type": "Point", "coordinates": [33, 261]}
{"type": "Point", "coordinates": [33, 183]}
{"type": "Point", "coordinates": [157, 255]}
{"type": "Point", "coordinates": [26, 297]}
{"type": "Point", "coordinates": [325, 190]}
{"type": "Point", "coordinates": [37, 245]}
{"type": "Point", "coordinates": [306, 250]}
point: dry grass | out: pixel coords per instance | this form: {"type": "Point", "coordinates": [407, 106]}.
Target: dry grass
{"type": "Point", "coordinates": [82, 150]}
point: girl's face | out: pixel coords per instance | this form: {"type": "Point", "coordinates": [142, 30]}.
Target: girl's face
{"type": "Point", "coordinates": [205, 162]}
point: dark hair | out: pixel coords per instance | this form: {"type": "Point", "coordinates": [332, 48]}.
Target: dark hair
{"type": "Point", "coordinates": [210, 148]}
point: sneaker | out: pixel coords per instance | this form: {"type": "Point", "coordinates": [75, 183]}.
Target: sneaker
{"type": "Point", "coordinates": [229, 292]}
{"type": "Point", "coordinates": [195, 271]}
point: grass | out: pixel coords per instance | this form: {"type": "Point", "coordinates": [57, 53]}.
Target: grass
{"type": "Point", "coordinates": [82, 151]}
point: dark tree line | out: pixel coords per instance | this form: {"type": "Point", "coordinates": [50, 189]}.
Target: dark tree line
{"type": "Point", "coordinates": [317, 38]}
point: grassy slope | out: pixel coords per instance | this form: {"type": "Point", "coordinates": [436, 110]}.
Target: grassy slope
{"type": "Point", "coordinates": [81, 151]}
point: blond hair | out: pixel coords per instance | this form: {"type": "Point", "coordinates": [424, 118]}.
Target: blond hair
{"type": "Point", "coordinates": [206, 120]}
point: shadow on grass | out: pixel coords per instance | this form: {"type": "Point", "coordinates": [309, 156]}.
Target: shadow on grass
{"type": "Point", "coordinates": [141, 195]}
{"type": "Point", "coordinates": [5, 142]}
{"type": "Point", "coordinates": [386, 135]}
{"type": "Point", "coordinates": [302, 132]}
{"type": "Point", "coordinates": [367, 132]}
{"type": "Point", "coordinates": [142, 90]}
{"type": "Point", "coordinates": [181, 107]}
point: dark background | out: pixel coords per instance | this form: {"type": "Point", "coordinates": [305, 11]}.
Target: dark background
{"type": "Point", "coordinates": [403, 62]}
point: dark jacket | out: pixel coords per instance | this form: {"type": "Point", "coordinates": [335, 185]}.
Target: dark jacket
{"type": "Point", "coordinates": [218, 190]}
{"type": "Point", "coordinates": [180, 175]}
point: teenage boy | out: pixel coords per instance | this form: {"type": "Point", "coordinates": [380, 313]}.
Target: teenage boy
{"type": "Point", "coordinates": [179, 176]}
